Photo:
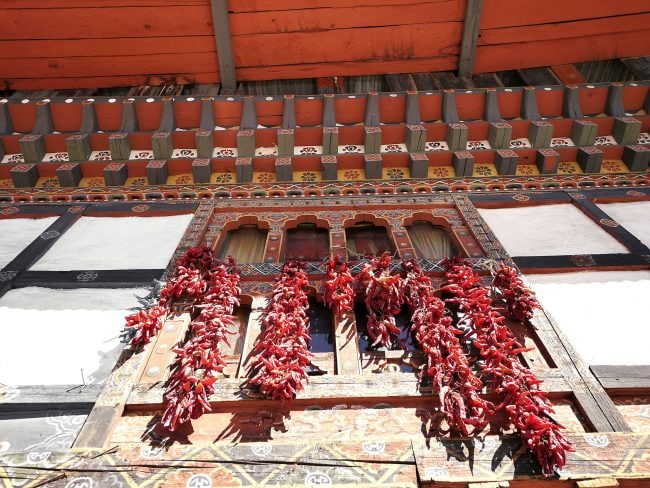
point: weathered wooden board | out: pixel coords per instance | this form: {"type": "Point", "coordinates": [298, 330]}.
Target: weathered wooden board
{"type": "Point", "coordinates": [617, 378]}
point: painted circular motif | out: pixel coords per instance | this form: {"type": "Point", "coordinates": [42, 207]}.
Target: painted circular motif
{"type": "Point", "coordinates": [9, 210]}
{"type": "Point", "coordinates": [609, 222]}
{"type": "Point", "coordinates": [140, 208]}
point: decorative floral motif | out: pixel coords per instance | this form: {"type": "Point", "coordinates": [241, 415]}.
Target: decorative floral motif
{"type": "Point", "coordinates": [604, 141]}
{"type": "Point", "coordinates": [350, 148]}
{"type": "Point", "coordinates": [8, 275]}
{"type": "Point", "coordinates": [223, 178]}
{"type": "Point", "coordinates": [634, 193]}
{"type": "Point", "coordinates": [49, 234]}
{"type": "Point", "coordinates": [561, 142]}
{"type": "Point", "coordinates": [392, 148]}
{"type": "Point", "coordinates": [309, 177]}
{"type": "Point", "coordinates": [183, 180]}
{"type": "Point", "coordinates": [138, 181]}
{"type": "Point", "coordinates": [472, 145]}
{"type": "Point", "coordinates": [525, 169]}
{"type": "Point", "coordinates": [519, 143]}
{"type": "Point", "coordinates": [53, 157]}
{"type": "Point", "coordinates": [352, 174]}
{"type": "Point", "coordinates": [583, 260]}
{"type": "Point", "coordinates": [50, 183]}
{"type": "Point", "coordinates": [14, 158]}
{"type": "Point", "coordinates": [224, 152]}
{"type": "Point", "coordinates": [644, 138]}
{"type": "Point", "coordinates": [566, 167]}
{"type": "Point", "coordinates": [184, 153]}
{"type": "Point", "coordinates": [395, 173]}
{"type": "Point", "coordinates": [87, 276]}
{"type": "Point", "coordinates": [308, 150]}
{"type": "Point", "coordinates": [483, 170]}
{"type": "Point", "coordinates": [141, 155]}
{"type": "Point", "coordinates": [520, 197]}
{"type": "Point", "coordinates": [612, 166]}
{"type": "Point", "coordinates": [440, 172]}
{"type": "Point", "coordinates": [9, 210]}
{"type": "Point", "coordinates": [140, 208]}
{"type": "Point", "coordinates": [6, 184]}
{"type": "Point", "coordinates": [100, 156]}
{"type": "Point", "coordinates": [265, 177]}
{"type": "Point", "coordinates": [95, 181]}
{"type": "Point", "coordinates": [436, 146]}
{"type": "Point", "coordinates": [609, 223]}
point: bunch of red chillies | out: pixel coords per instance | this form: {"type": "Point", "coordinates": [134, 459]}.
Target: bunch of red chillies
{"type": "Point", "coordinates": [199, 361]}
{"type": "Point", "coordinates": [384, 299]}
{"type": "Point", "coordinates": [527, 407]}
{"type": "Point", "coordinates": [281, 355]}
{"type": "Point", "coordinates": [339, 291]}
{"type": "Point", "coordinates": [520, 302]}
{"type": "Point", "coordinates": [447, 364]}
{"type": "Point", "coordinates": [187, 281]}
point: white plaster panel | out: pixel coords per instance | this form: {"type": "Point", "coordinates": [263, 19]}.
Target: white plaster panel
{"type": "Point", "coordinates": [48, 336]}
{"type": "Point", "coordinates": [634, 216]}
{"type": "Point", "coordinates": [116, 243]}
{"type": "Point", "coordinates": [549, 230]}
{"type": "Point", "coordinates": [16, 234]}
{"type": "Point", "coordinates": [603, 313]}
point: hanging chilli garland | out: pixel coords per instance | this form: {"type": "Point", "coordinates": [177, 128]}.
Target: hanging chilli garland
{"type": "Point", "coordinates": [339, 291]}
{"type": "Point", "coordinates": [384, 297]}
{"type": "Point", "coordinates": [199, 361]}
{"type": "Point", "coordinates": [281, 355]}
{"type": "Point", "coordinates": [527, 407]}
{"type": "Point", "coordinates": [447, 364]}
{"type": "Point", "coordinates": [520, 301]}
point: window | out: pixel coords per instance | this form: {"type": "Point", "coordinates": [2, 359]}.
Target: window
{"type": "Point", "coordinates": [245, 244]}
{"type": "Point", "coordinates": [307, 243]}
{"type": "Point", "coordinates": [368, 239]}
{"type": "Point", "coordinates": [430, 241]}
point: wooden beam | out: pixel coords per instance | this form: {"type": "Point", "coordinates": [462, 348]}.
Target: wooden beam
{"type": "Point", "coordinates": [112, 278]}
{"type": "Point", "coordinates": [620, 378]}
{"type": "Point", "coordinates": [568, 74]}
{"type": "Point", "coordinates": [640, 66]}
{"type": "Point", "coordinates": [538, 76]}
{"type": "Point", "coordinates": [51, 397]}
{"type": "Point", "coordinates": [221, 26]}
{"type": "Point", "coordinates": [471, 28]}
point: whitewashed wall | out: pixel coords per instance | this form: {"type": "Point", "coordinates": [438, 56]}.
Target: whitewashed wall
{"type": "Point", "coordinates": [16, 234]}
{"type": "Point", "coordinates": [634, 216]}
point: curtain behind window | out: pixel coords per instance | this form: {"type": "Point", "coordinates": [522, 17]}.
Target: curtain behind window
{"type": "Point", "coordinates": [245, 244]}
{"type": "Point", "coordinates": [307, 242]}
{"type": "Point", "coordinates": [367, 239]}
{"type": "Point", "coordinates": [430, 241]}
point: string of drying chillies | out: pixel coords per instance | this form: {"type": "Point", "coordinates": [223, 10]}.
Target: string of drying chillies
{"type": "Point", "coordinates": [527, 407]}
{"type": "Point", "coordinates": [339, 293]}
{"type": "Point", "coordinates": [384, 299]}
{"type": "Point", "coordinates": [187, 280]}
{"type": "Point", "coordinates": [519, 300]}
{"type": "Point", "coordinates": [457, 385]}
{"type": "Point", "coordinates": [199, 361]}
{"type": "Point", "coordinates": [281, 355]}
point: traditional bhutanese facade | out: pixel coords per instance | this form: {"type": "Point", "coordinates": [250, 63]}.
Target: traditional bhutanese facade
{"type": "Point", "coordinates": [103, 193]}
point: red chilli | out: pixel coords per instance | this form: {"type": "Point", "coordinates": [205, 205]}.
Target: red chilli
{"type": "Point", "coordinates": [339, 293]}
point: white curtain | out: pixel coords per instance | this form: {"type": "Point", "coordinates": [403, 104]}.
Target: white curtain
{"type": "Point", "coordinates": [245, 244]}
{"type": "Point", "coordinates": [430, 242]}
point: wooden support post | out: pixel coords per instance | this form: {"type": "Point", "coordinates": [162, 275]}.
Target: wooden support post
{"type": "Point", "coordinates": [162, 144]}
{"type": "Point", "coordinates": [547, 161]}
{"type": "Point", "coordinates": [329, 110]}
{"type": "Point", "coordinates": [43, 124]}
{"type": "Point", "coordinates": [115, 174]}
{"type": "Point", "coordinates": [33, 148]}
{"type": "Point", "coordinates": [373, 166]}
{"type": "Point", "coordinates": [246, 143]}
{"type": "Point", "coordinates": [338, 245]}
{"type": "Point", "coordinates": [372, 139]}
{"type": "Point", "coordinates": [207, 114]}
{"type": "Point", "coordinates": [471, 27]}
{"type": "Point", "coordinates": [78, 147]}
{"type": "Point", "coordinates": [329, 166]}
{"type": "Point", "coordinates": [129, 117]}
{"type": "Point", "coordinates": [347, 344]}
{"type": "Point", "coordinates": [540, 133]}
{"type": "Point", "coordinates": [590, 159]}
{"type": "Point", "coordinates": [372, 117]}
{"type": "Point", "coordinates": [6, 126]}
{"type": "Point", "coordinates": [2, 149]}
{"type": "Point", "coordinates": [253, 331]}
{"type": "Point", "coordinates": [157, 172]}
{"type": "Point", "coordinates": [584, 133]}
{"type": "Point", "coordinates": [168, 117]}
{"type": "Point", "coordinates": [499, 135]}
{"type": "Point", "coordinates": [330, 140]}
{"type": "Point", "coordinates": [626, 130]}
{"type": "Point", "coordinates": [636, 158]}
{"type": "Point", "coordinates": [463, 163]}
{"type": "Point", "coordinates": [289, 112]}
{"type": "Point", "coordinates": [120, 146]}
{"type": "Point", "coordinates": [529, 104]}
{"type": "Point", "coordinates": [88, 118]}
{"type": "Point", "coordinates": [273, 246]}
{"type": "Point", "coordinates": [571, 108]}
{"type": "Point", "coordinates": [457, 137]}
{"type": "Point", "coordinates": [418, 165]}
{"type": "Point", "coordinates": [249, 114]}
{"type": "Point", "coordinates": [283, 169]}
{"type": "Point", "coordinates": [506, 162]}
{"type": "Point", "coordinates": [24, 175]}
{"type": "Point", "coordinates": [244, 170]}
{"type": "Point", "coordinates": [491, 111]}
{"type": "Point", "coordinates": [449, 111]}
{"type": "Point", "coordinates": [69, 174]}
{"type": "Point", "coordinates": [538, 76]}
{"type": "Point", "coordinates": [159, 354]}
{"type": "Point", "coordinates": [204, 143]}
{"type": "Point", "coordinates": [201, 170]}
{"type": "Point", "coordinates": [416, 138]}
{"type": "Point", "coordinates": [285, 142]}
{"type": "Point", "coordinates": [223, 39]}
{"type": "Point", "coordinates": [614, 104]}
{"type": "Point", "coordinates": [412, 113]}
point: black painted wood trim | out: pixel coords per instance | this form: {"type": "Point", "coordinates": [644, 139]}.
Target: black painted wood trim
{"type": "Point", "coordinates": [51, 397]}
{"type": "Point", "coordinates": [88, 278]}
{"type": "Point", "coordinates": [575, 262]}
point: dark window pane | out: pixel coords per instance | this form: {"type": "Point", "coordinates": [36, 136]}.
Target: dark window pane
{"type": "Point", "coordinates": [320, 327]}
{"type": "Point", "coordinates": [307, 243]}
{"type": "Point", "coordinates": [367, 239]}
